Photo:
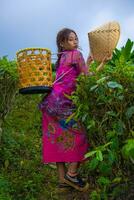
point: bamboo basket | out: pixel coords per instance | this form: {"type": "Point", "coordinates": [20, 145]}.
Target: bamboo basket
{"type": "Point", "coordinates": [35, 72]}
{"type": "Point", "coordinates": [103, 40]}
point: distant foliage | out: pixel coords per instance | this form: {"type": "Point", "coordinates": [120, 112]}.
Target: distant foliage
{"type": "Point", "coordinates": [8, 85]}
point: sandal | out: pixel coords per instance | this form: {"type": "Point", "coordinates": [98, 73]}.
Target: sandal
{"type": "Point", "coordinates": [76, 182]}
{"type": "Point", "coordinates": [63, 187]}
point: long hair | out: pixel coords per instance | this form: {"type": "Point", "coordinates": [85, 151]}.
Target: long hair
{"type": "Point", "coordinates": [62, 36]}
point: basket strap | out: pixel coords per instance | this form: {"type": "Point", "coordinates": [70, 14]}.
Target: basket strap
{"type": "Point", "coordinates": [62, 75]}
{"type": "Point", "coordinates": [65, 72]}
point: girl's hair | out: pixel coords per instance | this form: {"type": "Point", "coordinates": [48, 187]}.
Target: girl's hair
{"type": "Point", "coordinates": [62, 36]}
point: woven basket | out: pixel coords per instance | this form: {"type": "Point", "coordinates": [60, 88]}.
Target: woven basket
{"type": "Point", "coordinates": [35, 72]}
{"type": "Point", "coordinates": [103, 40]}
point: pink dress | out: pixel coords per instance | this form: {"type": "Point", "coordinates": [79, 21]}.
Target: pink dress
{"type": "Point", "coordinates": [61, 141]}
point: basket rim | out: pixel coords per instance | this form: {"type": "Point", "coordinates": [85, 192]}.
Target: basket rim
{"type": "Point", "coordinates": [33, 48]}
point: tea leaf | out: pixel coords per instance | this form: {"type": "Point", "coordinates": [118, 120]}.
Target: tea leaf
{"type": "Point", "coordinates": [128, 149]}
{"type": "Point", "coordinates": [130, 112]}
{"type": "Point", "coordinates": [103, 181]}
{"type": "Point", "coordinates": [99, 155]}
{"type": "Point", "coordinates": [89, 154]}
{"type": "Point", "coordinates": [113, 84]}
{"type": "Point", "coordinates": [93, 163]}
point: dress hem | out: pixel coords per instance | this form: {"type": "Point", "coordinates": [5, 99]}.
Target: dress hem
{"type": "Point", "coordinates": [65, 161]}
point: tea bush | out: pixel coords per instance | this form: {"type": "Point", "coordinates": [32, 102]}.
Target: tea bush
{"type": "Point", "coordinates": [8, 85]}
{"type": "Point", "coordinates": [105, 104]}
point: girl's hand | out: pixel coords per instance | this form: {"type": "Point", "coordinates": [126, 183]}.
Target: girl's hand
{"type": "Point", "coordinates": [89, 60]}
{"type": "Point", "coordinates": [104, 61]}
{"type": "Point", "coordinates": [107, 58]}
{"type": "Point", "coordinates": [91, 73]}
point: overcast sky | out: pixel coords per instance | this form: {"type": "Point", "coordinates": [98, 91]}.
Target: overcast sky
{"type": "Point", "coordinates": [35, 23]}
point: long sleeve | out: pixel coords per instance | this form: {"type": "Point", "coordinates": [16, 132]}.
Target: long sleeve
{"type": "Point", "coordinates": [77, 58]}
{"type": "Point", "coordinates": [82, 65]}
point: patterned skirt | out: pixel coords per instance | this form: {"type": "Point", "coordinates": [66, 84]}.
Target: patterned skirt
{"type": "Point", "coordinates": [62, 141]}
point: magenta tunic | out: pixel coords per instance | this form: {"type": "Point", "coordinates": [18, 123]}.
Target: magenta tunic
{"type": "Point", "coordinates": [61, 141]}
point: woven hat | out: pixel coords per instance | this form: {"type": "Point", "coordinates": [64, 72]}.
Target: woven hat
{"type": "Point", "coordinates": [103, 40]}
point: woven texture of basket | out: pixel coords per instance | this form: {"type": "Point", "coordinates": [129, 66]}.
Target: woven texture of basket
{"type": "Point", "coordinates": [103, 40]}
{"type": "Point", "coordinates": [34, 67]}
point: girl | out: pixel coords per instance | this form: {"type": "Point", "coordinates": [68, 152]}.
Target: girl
{"type": "Point", "coordinates": [65, 142]}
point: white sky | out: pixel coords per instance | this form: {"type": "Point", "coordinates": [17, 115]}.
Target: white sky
{"type": "Point", "coordinates": [35, 23]}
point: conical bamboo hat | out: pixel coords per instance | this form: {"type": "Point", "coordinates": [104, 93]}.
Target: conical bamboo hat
{"type": "Point", "coordinates": [103, 40]}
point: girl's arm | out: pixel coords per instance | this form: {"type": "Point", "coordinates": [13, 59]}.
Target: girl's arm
{"type": "Point", "coordinates": [85, 66]}
{"type": "Point", "coordinates": [104, 61]}
{"type": "Point", "coordinates": [101, 65]}
{"type": "Point", "coordinates": [89, 60]}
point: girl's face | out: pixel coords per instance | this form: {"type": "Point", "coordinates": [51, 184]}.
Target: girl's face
{"type": "Point", "coordinates": [71, 43]}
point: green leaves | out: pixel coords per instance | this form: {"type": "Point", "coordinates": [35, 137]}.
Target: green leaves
{"type": "Point", "coordinates": [113, 84]}
{"type": "Point", "coordinates": [129, 112]}
{"type": "Point", "coordinates": [128, 149]}
{"type": "Point", "coordinates": [98, 152]}
{"type": "Point", "coordinates": [103, 181]}
{"type": "Point", "coordinates": [89, 154]}
{"type": "Point", "coordinates": [105, 168]}
{"type": "Point", "coordinates": [124, 55]}
{"type": "Point", "coordinates": [126, 50]}
{"type": "Point", "coordinates": [8, 67]}
{"type": "Point", "coordinates": [119, 127]}
{"type": "Point", "coordinates": [104, 104]}
{"type": "Point", "coordinates": [102, 80]}
{"type": "Point", "coordinates": [99, 155]}
{"type": "Point", "coordinates": [93, 164]}
{"type": "Point", "coordinates": [95, 195]}
{"type": "Point", "coordinates": [8, 85]}
{"type": "Point", "coordinates": [93, 87]}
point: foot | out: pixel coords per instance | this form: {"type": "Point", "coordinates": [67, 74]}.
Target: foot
{"type": "Point", "coordinates": [76, 182]}
{"type": "Point", "coordinates": [63, 187]}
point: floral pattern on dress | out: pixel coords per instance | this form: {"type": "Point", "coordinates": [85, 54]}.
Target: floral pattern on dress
{"type": "Point", "coordinates": [66, 141]}
{"type": "Point", "coordinates": [51, 128]}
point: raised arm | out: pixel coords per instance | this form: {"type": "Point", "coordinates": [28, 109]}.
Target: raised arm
{"type": "Point", "coordinates": [104, 61]}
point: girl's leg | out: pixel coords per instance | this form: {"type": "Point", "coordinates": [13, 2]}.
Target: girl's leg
{"type": "Point", "coordinates": [61, 171]}
{"type": "Point", "coordinates": [72, 168]}
{"type": "Point", "coordinates": [72, 178]}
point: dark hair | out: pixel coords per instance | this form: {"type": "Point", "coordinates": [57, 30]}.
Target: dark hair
{"type": "Point", "coordinates": [62, 36]}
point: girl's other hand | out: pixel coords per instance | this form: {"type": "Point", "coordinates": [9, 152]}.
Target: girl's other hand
{"type": "Point", "coordinates": [89, 60]}
{"type": "Point", "coordinates": [104, 61]}
{"type": "Point", "coordinates": [107, 58]}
